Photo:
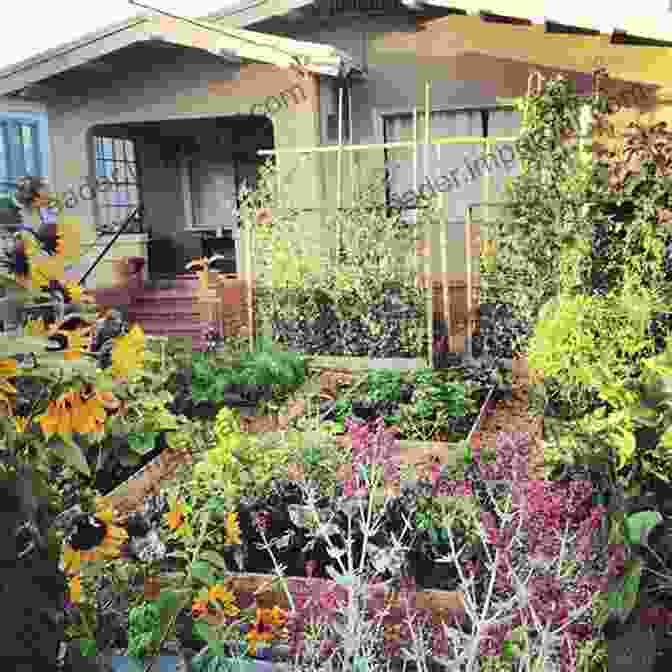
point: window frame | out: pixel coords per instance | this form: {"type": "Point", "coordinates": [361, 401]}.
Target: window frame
{"type": "Point", "coordinates": [380, 116]}
{"type": "Point", "coordinates": [10, 123]}
{"type": "Point", "coordinates": [101, 162]}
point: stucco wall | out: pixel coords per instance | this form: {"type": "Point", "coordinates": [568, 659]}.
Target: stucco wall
{"type": "Point", "coordinates": [152, 84]}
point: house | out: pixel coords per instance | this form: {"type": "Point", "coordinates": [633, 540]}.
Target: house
{"type": "Point", "coordinates": [175, 111]}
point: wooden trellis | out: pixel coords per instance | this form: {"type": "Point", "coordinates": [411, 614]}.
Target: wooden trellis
{"type": "Point", "coordinates": [340, 148]}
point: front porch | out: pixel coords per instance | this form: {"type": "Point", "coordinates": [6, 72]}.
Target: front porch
{"type": "Point", "coordinates": [185, 175]}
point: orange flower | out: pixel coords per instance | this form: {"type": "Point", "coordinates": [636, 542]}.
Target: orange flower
{"type": "Point", "coordinates": [199, 607]}
{"type": "Point", "coordinates": [253, 637]}
{"type": "Point", "coordinates": [225, 597]}
{"type": "Point", "coordinates": [57, 419]}
{"type": "Point", "coordinates": [71, 413]}
{"type": "Point", "coordinates": [175, 517]}
{"type": "Point", "coordinates": [75, 585]}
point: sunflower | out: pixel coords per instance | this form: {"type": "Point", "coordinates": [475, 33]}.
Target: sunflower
{"type": "Point", "coordinates": [8, 369]}
{"type": "Point", "coordinates": [75, 585]}
{"type": "Point", "coordinates": [128, 353]}
{"type": "Point", "coordinates": [77, 294]}
{"type": "Point", "coordinates": [36, 327]}
{"type": "Point", "coordinates": [226, 598]}
{"type": "Point", "coordinates": [79, 342]}
{"type": "Point", "coordinates": [57, 419]}
{"type": "Point", "coordinates": [175, 517]}
{"type": "Point", "coordinates": [21, 424]}
{"type": "Point", "coordinates": [92, 537]}
{"type": "Point", "coordinates": [73, 413]}
{"type": "Point", "coordinates": [232, 529]}
{"type": "Point", "coordinates": [74, 335]}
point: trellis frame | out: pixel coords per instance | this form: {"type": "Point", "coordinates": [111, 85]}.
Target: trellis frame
{"type": "Point", "coordinates": [428, 141]}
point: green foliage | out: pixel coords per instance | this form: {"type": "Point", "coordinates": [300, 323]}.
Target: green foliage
{"type": "Point", "coordinates": [268, 366]}
{"type": "Point", "coordinates": [348, 263]}
{"type": "Point", "coordinates": [384, 385]}
{"type": "Point", "coordinates": [640, 404]}
{"type": "Point", "coordinates": [144, 630]}
{"type": "Point", "coordinates": [321, 457]}
{"type": "Point", "coordinates": [242, 461]}
{"type": "Point", "coordinates": [546, 225]}
{"type": "Point", "coordinates": [590, 343]}
{"type": "Point", "coordinates": [436, 514]}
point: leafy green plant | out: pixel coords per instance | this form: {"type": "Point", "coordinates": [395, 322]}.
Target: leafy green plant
{"type": "Point", "coordinates": [436, 514]}
{"type": "Point", "coordinates": [432, 408]}
{"type": "Point", "coordinates": [348, 263]}
{"type": "Point", "coordinates": [384, 385]}
{"type": "Point", "coordinates": [267, 366]}
{"type": "Point", "coordinates": [242, 461]}
{"type": "Point", "coordinates": [593, 343]}
{"type": "Point", "coordinates": [144, 630]}
{"type": "Point", "coordinates": [321, 457]}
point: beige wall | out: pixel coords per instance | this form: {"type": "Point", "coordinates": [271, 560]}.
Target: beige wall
{"type": "Point", "coordinates": [155, 84]}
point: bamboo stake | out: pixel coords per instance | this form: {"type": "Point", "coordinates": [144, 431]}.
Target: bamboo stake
{"type": "Point", "coordinates": [462, 140]}
{"type": "Point", "coordinates": [251, 260]}
{"type": "Point", "coordinates": [428, 230]}
{"type": "Point", "coordinates": [469, 253]}
{"type": "Point", "coordinates": [339, 169]}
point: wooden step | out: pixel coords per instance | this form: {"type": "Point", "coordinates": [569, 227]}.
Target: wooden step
{"type": "Point", "coordinates": [181, 312]}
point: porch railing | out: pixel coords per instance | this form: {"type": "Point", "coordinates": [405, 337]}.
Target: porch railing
{"type": "Point", "coordinates": [122, 228]}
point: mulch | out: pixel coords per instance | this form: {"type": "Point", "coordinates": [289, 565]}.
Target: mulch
{"type": "Point", "coordinates": [512, 415]}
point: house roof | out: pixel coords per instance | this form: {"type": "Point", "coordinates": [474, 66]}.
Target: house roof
{"type": "Point", "coordinates": [632, 48]}
{"type": "Point", "coordinates": [590, 19]}
{"type": "Point", "coordinates": [230, 44]}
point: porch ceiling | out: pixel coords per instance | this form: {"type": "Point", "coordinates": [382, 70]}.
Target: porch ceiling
{"type": "Point", "coordinates": [230, 44]}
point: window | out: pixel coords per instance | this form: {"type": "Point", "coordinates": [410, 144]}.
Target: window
{"type": "Point", "coordinates": [116, 160]}
{"type": "Point", "coordinates": [462, 166]}
{"type": "Point", "coordinates": [19, 151]}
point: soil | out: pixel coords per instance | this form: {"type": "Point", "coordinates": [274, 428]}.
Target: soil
{"type": "Point", "coordinates": [512, 415]}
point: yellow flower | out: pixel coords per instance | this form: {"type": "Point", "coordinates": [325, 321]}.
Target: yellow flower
{"type": "Point", "coordinates": [71, 413]}
{"type": "Point", "coordinates": [278, 616]}
{"type": "Point", "coordinates": [36, 327]}
{"type": "Point", "coordinates": [128, 354]}
{"type": "Point", "coordinates": [75, 584]}
{"type": "Point", "coordinates": [8, 368]}
{"type": "Point", "coordinates": [88, 416]}
{"type": "Point", "coordinates": [57, 419]}
{"type": "Point", "coordinates": [175, 517]}
{"type": "Point", "coordinates": [21, 424]}
{"type": "Point", "coordinates": [71, 560]}
{"type": "Point", "coordinates": [232, 529]}
{"type": "Point", "coordinates": [44, 269]}
{"type": "Point", "coordinates": [79, 341]}
{"type": "Point", "coordinates": [69, 238]}
{"type": "Point", "coordinates": [108, 547]}
{"type": "Point", "coordinates": [75, 292]}
{"type": "Point", "coordinates": [226, 598]}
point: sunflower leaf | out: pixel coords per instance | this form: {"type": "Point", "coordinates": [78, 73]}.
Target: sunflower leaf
{"type": "Point", "coordinates": [70, 453]}
{"type": "Point", "coordinates": [169, 605]}
{"type": "Point", "coordinates": [10, 346]}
